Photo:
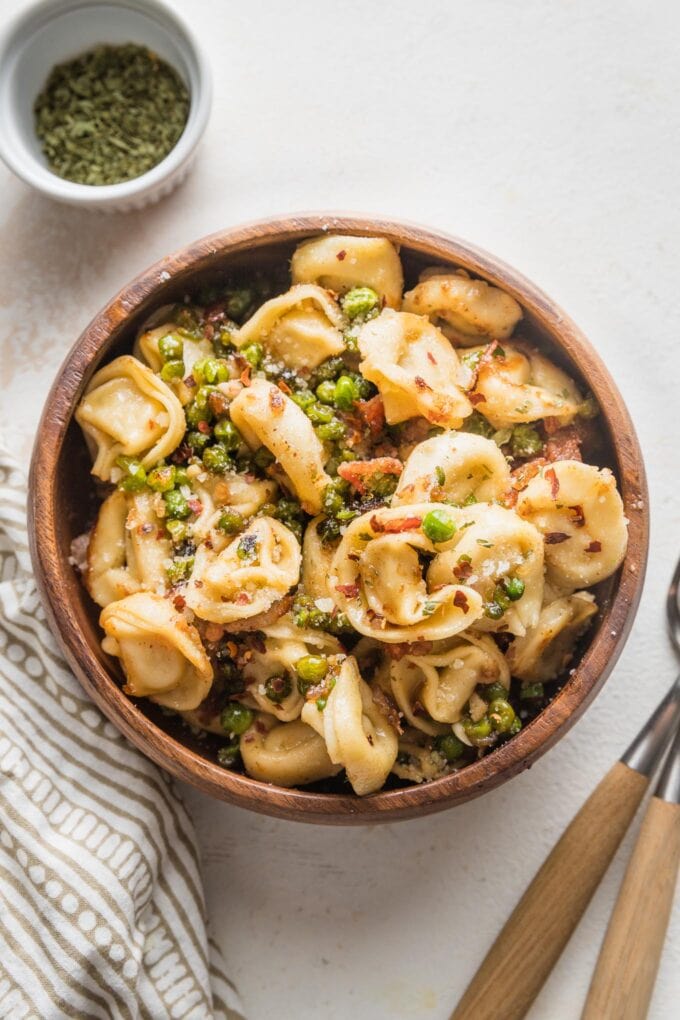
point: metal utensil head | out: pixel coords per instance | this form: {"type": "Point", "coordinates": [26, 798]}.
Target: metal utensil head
{"type": "Point", "coordinates": [647, 748]}
{"type": "Point", "coordinates": [673, 608]}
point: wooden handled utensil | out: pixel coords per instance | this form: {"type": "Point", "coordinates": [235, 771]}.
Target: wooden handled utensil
{"type": "Point", "coordinates": [525, 952]}
{"type": "Point", "coordinates": [623, 981]}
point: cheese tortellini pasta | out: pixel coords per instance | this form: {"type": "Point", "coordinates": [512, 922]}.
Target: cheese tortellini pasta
{"type": "Point", "coordinates": [345, 533]}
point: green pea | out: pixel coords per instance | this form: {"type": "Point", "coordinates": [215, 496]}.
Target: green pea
{"type": "Point", "coordinates": [202, 401]}
{"type": "Point", "coordinates": [181, 476]}
{"type": "Point", "coordinates": [210, 370]}
{"type": "Point", "coordinates": [490, 692]}
{"type": "Point", "coordinates": [277, 688]}
{"type": "Point", "coordinates": [134, 475]}
{"type": "Point", "coordinates": [477, 424]}
{"type": "Point", "coordinates": [493, 610]}
{"type": "Point", "coordinates": [438, 526]}
{"type": "Point", "coordinates": [238, 302]}
{"type": "Point", "coordinates": [311, 669]}
{"type": "Point", "coordinates": [516, 726]}
{"type": "Point", "coordinates": [227, 433]}
{"type": "Point", "coordinates": [359, 301]}
{"type": "Point", "coordinates": [528, 692]}
{"type": "Point", "coordinates": [303, 399]}
{"type": "Point", "coordinates": [179, 569]}
{"type": "Point", "coordinates": [247, 547]}
{"type": "Point", "coordinates": [197, 440]}
{"type": "Point", "coordinates": [321, 703]}
{"type": "Point", "coordinates": [195, 414]}
{"type": "Point", "coordinates": [162, 478]}
{"type": "Point", "coordinates": [216, 458]}
{"type": "Point", "coordinates": [329, 369]}
{"type": "Point", "coordinates": [230, 522]}
{"type": "Point", "coordinates": [172, 370]}
{"type": "Point", "coordinates": [325, 391]}
{"type": "Point", "coordinates": [526, 441]}
{"type": "Point", "coordinates": [177, 530]}
{"type": "Point", "coordinates": [171, 347]}
{"type": "Point", "coordinates": [514, 588]}
{"type": "Point", "coordinates": [345, 393]}
{"type": "Point", "coordinates": [476, 731]}
{"type": "Point", "coordinates": [331, 431]}
{"type": "Point", "coordinates": [236, 718]}
{"type": "Point", "coordinates": [228, 754]}
{"type": "Point", "coordinates": [332, 501]}
{"type": "Point", "coordinates": [263, 457]}
{"type": "Point", "coordinates": [254, 354]}
{"type": "Point", "coordinates": [320, 414]}
{"type": "Point", "coordinates": [176, 506]}
{"type": "Point", "coordinates": [449, 746]}
{"type": "Point", "coordinates": [500, 597]}
{"type": "Point", "coordinates": [501, 715]}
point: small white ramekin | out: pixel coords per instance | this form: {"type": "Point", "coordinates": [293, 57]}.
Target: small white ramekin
{"type": "Point", "coordinates": [53, 31]}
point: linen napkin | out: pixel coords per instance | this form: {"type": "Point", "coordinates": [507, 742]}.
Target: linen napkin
{"type": "Point", "coordinates": [101, 902]}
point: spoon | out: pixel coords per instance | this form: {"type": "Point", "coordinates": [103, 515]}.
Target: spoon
{"type": "Point", "coordinates": [534, 936]}
{"type": "Point", "coordinates": [625, 973]}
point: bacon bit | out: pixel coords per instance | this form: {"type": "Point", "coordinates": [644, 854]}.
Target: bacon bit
{"type": "Point", "coordinates": [195, 506]}
{"type": "Point", "coordinates": [160, 534]}
{"type": "Point", "coordinates": [350, 591]}
{"type": "Point", "coordinates": [485, 358]}
{"type": "Point", "coordinates": [372, 413]}
{"type": "Point", "coordinates": [356, 471]}
{"type": "Point", "coordinates": [213, 631]}
{"type": "Point", "coordinates": [181, 454]}
{"type": "Point", "coordinates": [245, 375]}
{"type": "Point", "coordinates": [276, 401]}
{"type": "Point", "coordinates": [203, 427]}
{"type": "Point", "coordinates": [190, 382]}
{"type": "Point", "coordinates": [462, 570]}
{"type": "Point", "coordinates": [551, 425]}
{"type": "Point", "coordinates": [179, 602]}
{"type": "Point", "coordinates": [476, 398]}
{"type": "Point", "coordinates": [218, 403]}
{"type": "Point", "coordinates": [421, 384]}
{"type": "Point", "coordinates": [556, 537]}
{"type": "Point", "coordinates": [521, 476]}
{"type": "Point", "coordinates": [564, 444]}
{"type": "Point", "coordinates": [387, 706]}
{"type": "Point", "coordinates": [431, 358]}
{"type": "Point", "coordinates": [551, 477]}
{"type": "Point", "coordinates": [402, 648]}
{"type": "Point", "coordinates": [243, 599]}
{"type": "Point", "coordinates": [395, 527]}
{"type": "Point", "coordinates": [461, 602]}
{"type": "Point", "coordinates": [340, 255]}
{"type": "Point", "coordinates": [578, 518]}
{"type": "Point", "coordinates": [232, 648]}
{"type": "Point", "coordinates": [284, 387]}
{"type": "Point", "coordinates": [594, 547]}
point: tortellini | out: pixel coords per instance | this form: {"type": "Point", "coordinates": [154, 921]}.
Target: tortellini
{"type": "Point", "coordinates": [237, 578]}
{"type": "Point", "coordinates": [301, 328]}
{"type": "Point", "coordinates": [162, 654]}
{"type": "Point", "coordinates": [467, 310]}
{"type": "Point", "coordinates": [491, 544]}
{"type": "Point", "coordinates": [356, 733]}
{"type": "Point", "coordinates": [128, 411]}
{"type": "Point", "coordinates": [516, 385]}
{"type": "Point", "coordinates": [340, 262]}
{"type": "Point", "coordinates": [267, 417]}
{"type": "Point", "coordinates": [288, 754]}
{"type": "Point", "coordinates": [128, 548]}
{"type": "Point", "coordinates": [243, 493]}
{"type": "Point", "coordinates": [454, 466]}
{"type": "Point", "coordinates": [317, 559]}
{"type": "Point", "coordinates": [284, 645]}
{"type": "Point", "coordinates": [442, 683]}
{"type": "Point", "coordinates": [545, 650]}
{"type": "Point", "coordinates": [415, 368]}
{"type": "Point", "coordinates": [578, 509]}
{"type": "Point", "coordinates": [378, 580]}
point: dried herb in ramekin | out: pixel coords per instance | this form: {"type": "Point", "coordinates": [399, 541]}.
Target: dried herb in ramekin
{"type": "Point", "coordinates": [110, 115]}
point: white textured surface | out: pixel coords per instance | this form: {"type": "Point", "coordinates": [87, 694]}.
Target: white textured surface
{"type": "Point", "coordinates": [547, 133]}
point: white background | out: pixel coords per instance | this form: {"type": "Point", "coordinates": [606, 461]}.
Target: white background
{"type": "Point", "coordinates": [548, 133]}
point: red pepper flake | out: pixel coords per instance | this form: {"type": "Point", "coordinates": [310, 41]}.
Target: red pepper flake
{"type": "Point", "coordinates": [421, 384]}
{"type": "Point", "coordinates": [578, 518]}
{"type": "Point", "coordinates": [190, 382]}
{"type": "Point", "coordinates": [460, 601]}
{"type": "Point", "coordinates": [340, 255]}
{"type": "Point", "coordinates": [476, 398]}
{"type": "Point", "coordinates": [245, 375]}
{"type": "Point", "coordinates": [284, 387]}
{"type": "Point", "coordinates": [276, 401]}
{"type": "Point", "coordinates": [249, 738]}
{"type": "Point", "coordinates": [551, 477]}
{"type": "Point", "coordinates": [555, 537]}
{"type": "Point", "coordinates": [402, 648]}
{"type": "Point", "coordinates": [354, 557]}
{"type": "Point", "coordinates": [232, 648]}
{"type": "Point", "coordinates": [462, 570]}
{"type": "Point", "coordinates": [243, 598]}
{"type": "Point", "coordinates": [260, 726]}
{"type": "Point", "coordinates": [179, 602]}
{"type": "Point", "coordinates": [195, 506]}
{"type": "Point", "coordinates": [594, 547]}
{"type": "Point", "coordinates": [203, 427]}
{"type": "Point", "coordinates": [395, 527]}
{"type": "Point", "coordinates": [431, 358]}
{"type": "Point", "coordinates": [350, 591]}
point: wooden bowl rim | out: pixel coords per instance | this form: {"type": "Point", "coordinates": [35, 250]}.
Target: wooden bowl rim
{"type": "Point", "coordinates": [513, 757]}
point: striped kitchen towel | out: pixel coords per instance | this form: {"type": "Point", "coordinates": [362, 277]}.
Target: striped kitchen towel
{"type": "Point", "coordinates": [101, 904]}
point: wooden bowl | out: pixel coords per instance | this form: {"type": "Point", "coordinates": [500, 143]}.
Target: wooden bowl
{"type": "Point", "coordinates": [62, 504]}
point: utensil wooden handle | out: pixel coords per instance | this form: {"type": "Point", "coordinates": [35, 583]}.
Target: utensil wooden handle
{"type": "Point", "coordinates": [625, 973]}
{"type": "Point", "coordinates": [521, 958]}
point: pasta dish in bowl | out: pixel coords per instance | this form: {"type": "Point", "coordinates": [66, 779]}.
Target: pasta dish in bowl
{"type": "Point", "coordinates": [356, 522]}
